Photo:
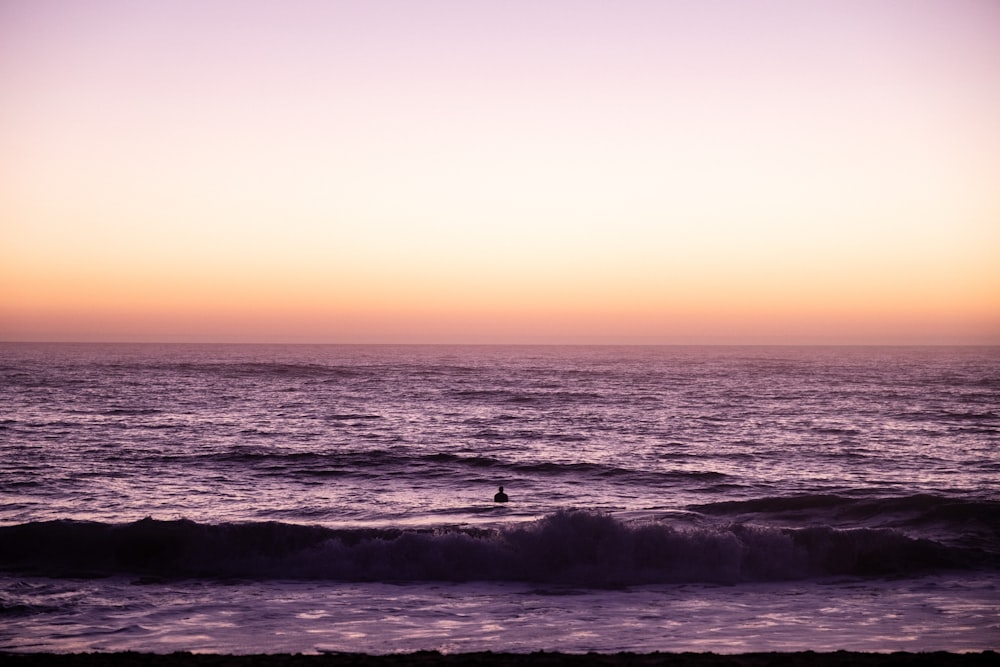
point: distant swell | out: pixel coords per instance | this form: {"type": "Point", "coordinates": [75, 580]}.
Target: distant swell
{"type": "Point", "coordinates": [960, 515]}
{"type": "Point", "coordinates": [360, 463]}
{"type": "Point", "coordinates": [571, 547]}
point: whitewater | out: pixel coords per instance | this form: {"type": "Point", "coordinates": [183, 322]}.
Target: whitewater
{"type": "Point", "coordinates": [295, 498]}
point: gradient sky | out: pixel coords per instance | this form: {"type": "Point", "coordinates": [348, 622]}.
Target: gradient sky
{"type": "Point", "coordinates": [510, 171]}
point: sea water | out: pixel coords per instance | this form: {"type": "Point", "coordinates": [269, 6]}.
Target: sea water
{"type": "Point", "coordinates": [339, 498]}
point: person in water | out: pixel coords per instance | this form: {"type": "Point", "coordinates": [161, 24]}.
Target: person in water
{"type": "Point", "coordinates": [500, 497]}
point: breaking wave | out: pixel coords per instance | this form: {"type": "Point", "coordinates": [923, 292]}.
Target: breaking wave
{"type": "Point", "coordinates": [569, 547]}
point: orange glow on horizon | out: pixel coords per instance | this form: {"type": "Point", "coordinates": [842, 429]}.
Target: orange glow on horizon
{"type": "Point", "coordinates": [427, 312]}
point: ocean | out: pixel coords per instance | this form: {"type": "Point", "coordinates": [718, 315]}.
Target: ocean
{"type": "Point", "coordinates": [311, 499]}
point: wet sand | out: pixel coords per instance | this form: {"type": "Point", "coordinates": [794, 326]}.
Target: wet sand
{"type": "Point", "coordinates": [487, 659]}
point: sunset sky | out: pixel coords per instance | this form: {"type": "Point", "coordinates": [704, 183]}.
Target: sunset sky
{"type": "Point", "coordinates": [500, 171]}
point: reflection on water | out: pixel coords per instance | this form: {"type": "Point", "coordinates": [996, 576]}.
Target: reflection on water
{"type": "Point", "coordinates": [932, 613]}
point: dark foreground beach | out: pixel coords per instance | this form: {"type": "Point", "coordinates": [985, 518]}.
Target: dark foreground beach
{"type": "Point", "coordinates": [488, 659]}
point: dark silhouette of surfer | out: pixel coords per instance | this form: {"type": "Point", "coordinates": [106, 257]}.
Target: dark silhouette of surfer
{"type": "Point", "coordinates": [500, 497]}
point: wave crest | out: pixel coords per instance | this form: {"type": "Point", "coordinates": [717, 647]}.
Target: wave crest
{"type": "Point", "coordinates": [571, 547]}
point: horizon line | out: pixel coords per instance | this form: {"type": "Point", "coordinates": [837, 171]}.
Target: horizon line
{"type": "Point", "coordinates": [234, 343]}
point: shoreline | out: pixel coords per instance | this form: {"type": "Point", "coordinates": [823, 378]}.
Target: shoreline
{"type": "Point", "coordinates": [490, 659]}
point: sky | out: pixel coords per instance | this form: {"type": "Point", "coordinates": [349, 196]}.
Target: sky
{"type": "Point", "coordinates": [462, 171]}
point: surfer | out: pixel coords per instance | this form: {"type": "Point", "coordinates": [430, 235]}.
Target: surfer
{"type": "Point", "coordinates": [500, 496]}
